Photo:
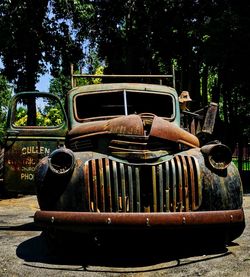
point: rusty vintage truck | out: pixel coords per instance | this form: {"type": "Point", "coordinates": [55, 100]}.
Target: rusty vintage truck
{"type": "Point", "coordinates": [118, 159]}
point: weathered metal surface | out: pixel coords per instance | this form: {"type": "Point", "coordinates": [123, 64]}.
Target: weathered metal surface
{"type": "Point", "coordinates": [25, 145]}
{"type": "Point", "coordinates": [133, 125]}
{"type": "Point", "coordinates": [88, 220]}
{"type": "Point", "coordinates": [21, 159]}
{"type": "Point", "coordinates": [131, 187]}
{"type": "Point", "coordinates": [129, 125]}
{"type": "Point", "coordinates": [218, 156]}
{"type": "Point", "coordinates": [166, 130]}
{"type": "Point", "coordinates": [221, 189]}
{"type": "Point", "coordinates": [209, 121]}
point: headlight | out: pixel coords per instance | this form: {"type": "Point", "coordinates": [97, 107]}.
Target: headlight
{"type": "Point", "coordinates": [219, 156]}
{"type": "Point", "coordinates": [61, 161]}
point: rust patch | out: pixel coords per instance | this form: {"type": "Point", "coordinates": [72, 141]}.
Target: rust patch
{"type": "Point", "coordinates": [166, 130]}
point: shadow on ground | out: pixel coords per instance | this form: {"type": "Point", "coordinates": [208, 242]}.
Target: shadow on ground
{"type": "Point", "coordinates": [23, 227]}
{"type": "Point", "coordinates": [121, 253]}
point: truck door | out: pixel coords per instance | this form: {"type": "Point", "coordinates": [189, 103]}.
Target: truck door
{"type": "Point", "coordinates": [37, 125]}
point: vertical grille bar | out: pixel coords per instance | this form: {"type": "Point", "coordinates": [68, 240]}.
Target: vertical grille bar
{"type": "Point", "coordinates": [186, 190]}
{"type": "Point", "coordinates": [94, 180]}
{"type": "Point", "coordinates": [123, 187]}
{"type": "Point", "coordinates": [179, 185]}
{"type": "Point", "coordinates": [160, 176]}
{"type": "Point", "coordinates": [197, 184]}
{"type": "Point", "coordinates": [138, 193]}
{"type": "Point", "coordinates": [167, 187]}
{"type": "Point", "coordinates": [192, 183]}
{"type": "Point", "coordinates": [108, 181]}
{"type": "Point", "coordinates": [101, 184]}
{"type": "Point", "coordinates": [115, 183]}
{"type": "Point", "coordinates": [86, 187]}
{"type": "Point", "coordinates": [173, 186]}
{"type": "Point", "coordinates": [154, 188]}
{"type": "Point", "coordinates": [130, 185]}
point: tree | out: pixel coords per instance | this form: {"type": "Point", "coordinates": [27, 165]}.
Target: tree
{"type": "Point", "coordinates": [207, 40]}
{"type": "Point", "coordinates": [60, 86]}
{"type": "Point", "coordinates": [20, 46]}
{"type": "Point", "coordinates": [226, 53]}
{"type": "Point", "coordinates": [4, 100]}
{"type": "Point", "coordinates": [31, 37]}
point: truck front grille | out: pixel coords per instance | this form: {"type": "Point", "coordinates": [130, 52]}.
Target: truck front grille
{"type": "Point", "coordinates": [171, 186]}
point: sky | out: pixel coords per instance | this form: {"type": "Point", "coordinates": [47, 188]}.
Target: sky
{"type": "Point", "coordinates": [43, 84]}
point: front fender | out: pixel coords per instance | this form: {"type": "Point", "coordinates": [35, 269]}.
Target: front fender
{"type": "Point", "coordinates": [221, 189]}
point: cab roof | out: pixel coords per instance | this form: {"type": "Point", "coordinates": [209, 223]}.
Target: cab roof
{"type": "Point", "coordinates": [123, 86]}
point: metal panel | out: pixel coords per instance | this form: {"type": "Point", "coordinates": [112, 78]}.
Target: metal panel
{"type": "Point", "coordinates": [171, 186]}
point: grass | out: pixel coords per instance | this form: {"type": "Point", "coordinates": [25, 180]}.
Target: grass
{"type": "Point", "coordinates": [245, 164]}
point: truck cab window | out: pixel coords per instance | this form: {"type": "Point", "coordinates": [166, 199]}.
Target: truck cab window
{"type": "Point", "coordinates": [40, 111]}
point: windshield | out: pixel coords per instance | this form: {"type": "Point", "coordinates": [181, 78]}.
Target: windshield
{"type": "Point", "coordinates": [123, 103]}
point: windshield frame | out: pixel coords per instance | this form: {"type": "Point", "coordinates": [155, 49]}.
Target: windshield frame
{"type": "Point", "coordinates": [125, 104]}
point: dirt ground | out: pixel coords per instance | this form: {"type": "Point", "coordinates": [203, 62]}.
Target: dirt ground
{"type": "Point", "coordinates": [24, 252]}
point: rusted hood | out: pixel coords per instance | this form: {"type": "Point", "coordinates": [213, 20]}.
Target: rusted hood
{"type": "Point", "coordinates": [129, 125]}
{"type": "Point", "coordinates": [133, 125]}
{"type": "Point", "coordinates": [166, 130]}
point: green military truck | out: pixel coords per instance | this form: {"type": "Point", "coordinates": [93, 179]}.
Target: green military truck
{"type": "Point", "coordinates": [117, 158]}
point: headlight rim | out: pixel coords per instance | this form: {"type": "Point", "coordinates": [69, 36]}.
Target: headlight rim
{"type": "Point", "coordinates": [60, 170]}
{"type": "Point", "coordinates": [211, 151]}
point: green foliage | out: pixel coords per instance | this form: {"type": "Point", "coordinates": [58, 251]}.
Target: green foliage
{"type": "Point", "coordinates": [89, 81]}
{"type": "Point", "coordinates": [134, 37]}
{"type": "Point", "coordinates": [245, 165]}
{"type": "Point", "coordinates": [21, 117]}
{"type": "Point", "coordinates": [60, 86]}
{"type": "Point", "coordinates": [5, 94]}
{"type": "Point", "coordinates": [53, 117]}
